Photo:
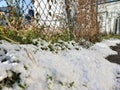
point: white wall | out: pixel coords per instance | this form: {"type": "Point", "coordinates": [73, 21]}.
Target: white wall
{"type": "Point", "coordinates": [108, 16]}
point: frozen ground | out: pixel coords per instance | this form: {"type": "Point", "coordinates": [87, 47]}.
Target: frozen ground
{"type": "Point", "coordinates": [74, 68]}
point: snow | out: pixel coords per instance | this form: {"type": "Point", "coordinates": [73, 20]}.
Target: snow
{"type": "Point", "coordinates": [103, 47]}
{"type": "Point", "coordinates": [83, 69]}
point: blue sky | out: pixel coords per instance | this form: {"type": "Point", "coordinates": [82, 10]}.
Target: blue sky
{"type": "Point", "coordinates": [3, 3]}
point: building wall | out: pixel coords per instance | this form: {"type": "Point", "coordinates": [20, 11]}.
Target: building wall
{"type": "Point", "coordinates": [109, 15]}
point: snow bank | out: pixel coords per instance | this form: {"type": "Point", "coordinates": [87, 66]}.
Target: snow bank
{"type": "Point", "coordinates": [103, 47]}
{"type": "Point", "coordinates": [83, 69]}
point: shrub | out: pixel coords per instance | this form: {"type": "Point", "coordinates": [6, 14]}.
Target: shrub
{"type": "Point", "coordinates": [19, 36]}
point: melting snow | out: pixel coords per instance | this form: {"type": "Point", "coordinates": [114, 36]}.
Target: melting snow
{"type": "Point", "coordinates": [83, 69]}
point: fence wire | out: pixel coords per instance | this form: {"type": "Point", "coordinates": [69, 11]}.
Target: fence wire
{"type": "Point", "coordinates": [50, 13]}
{"type": "Point", "coordinates": [72, 14]}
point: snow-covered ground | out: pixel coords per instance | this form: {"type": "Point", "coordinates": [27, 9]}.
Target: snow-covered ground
{"type": "Point", "coordinates": [75, 68]}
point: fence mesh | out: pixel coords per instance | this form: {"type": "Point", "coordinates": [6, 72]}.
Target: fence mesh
{"type": "Point", "coordinates": [51, 13]}
{"type": "Point", "coordinates": [75, 15]}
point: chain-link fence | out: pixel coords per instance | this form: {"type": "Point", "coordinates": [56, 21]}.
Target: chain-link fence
{"type": "Point", "coordinates": [79, 16]}
{"type": "Point", "coordinates": [50, 13]}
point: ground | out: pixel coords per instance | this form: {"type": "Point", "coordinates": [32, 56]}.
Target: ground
{"type": "Point", "coordinates": [115, 58]}
{"type": "Point", "coordinates": [68, 66]}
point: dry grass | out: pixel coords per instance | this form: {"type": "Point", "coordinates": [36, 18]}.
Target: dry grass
{"type": "Point", "coordinates": [87, 24]}
{"type": "Point", "coordinates": [89, 35]}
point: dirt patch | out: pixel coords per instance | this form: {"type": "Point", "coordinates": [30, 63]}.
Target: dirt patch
{"type": "Point", "coordinates": [115, 58]}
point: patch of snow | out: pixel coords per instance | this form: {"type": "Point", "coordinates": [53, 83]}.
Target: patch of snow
{"type": "Point", "coordinates": [104, 47]}
{"type": "Point", "coordinates": [83, 69]}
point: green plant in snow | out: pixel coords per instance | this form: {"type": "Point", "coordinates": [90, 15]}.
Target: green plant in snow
{"type": "Point", "coordinates": [10, 81]}
{"type": "Point", "coordinates": [61, 83]}
{"type": "Point", "coordinates": [23, 86]}
{"type": "Point", "coordinates": [71, 84]}
{"type": "Point", "coordinates": [44, 48]}
{"type": "Point", "coordinates": [51, 47]}
{"type": "Point", "coordinates": [50, 82]}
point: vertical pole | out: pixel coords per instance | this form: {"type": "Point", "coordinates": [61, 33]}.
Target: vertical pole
{"type": "Point", "coordinates": [69, 21]}
{"type": "Point", "coordinates": [67, 3]}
